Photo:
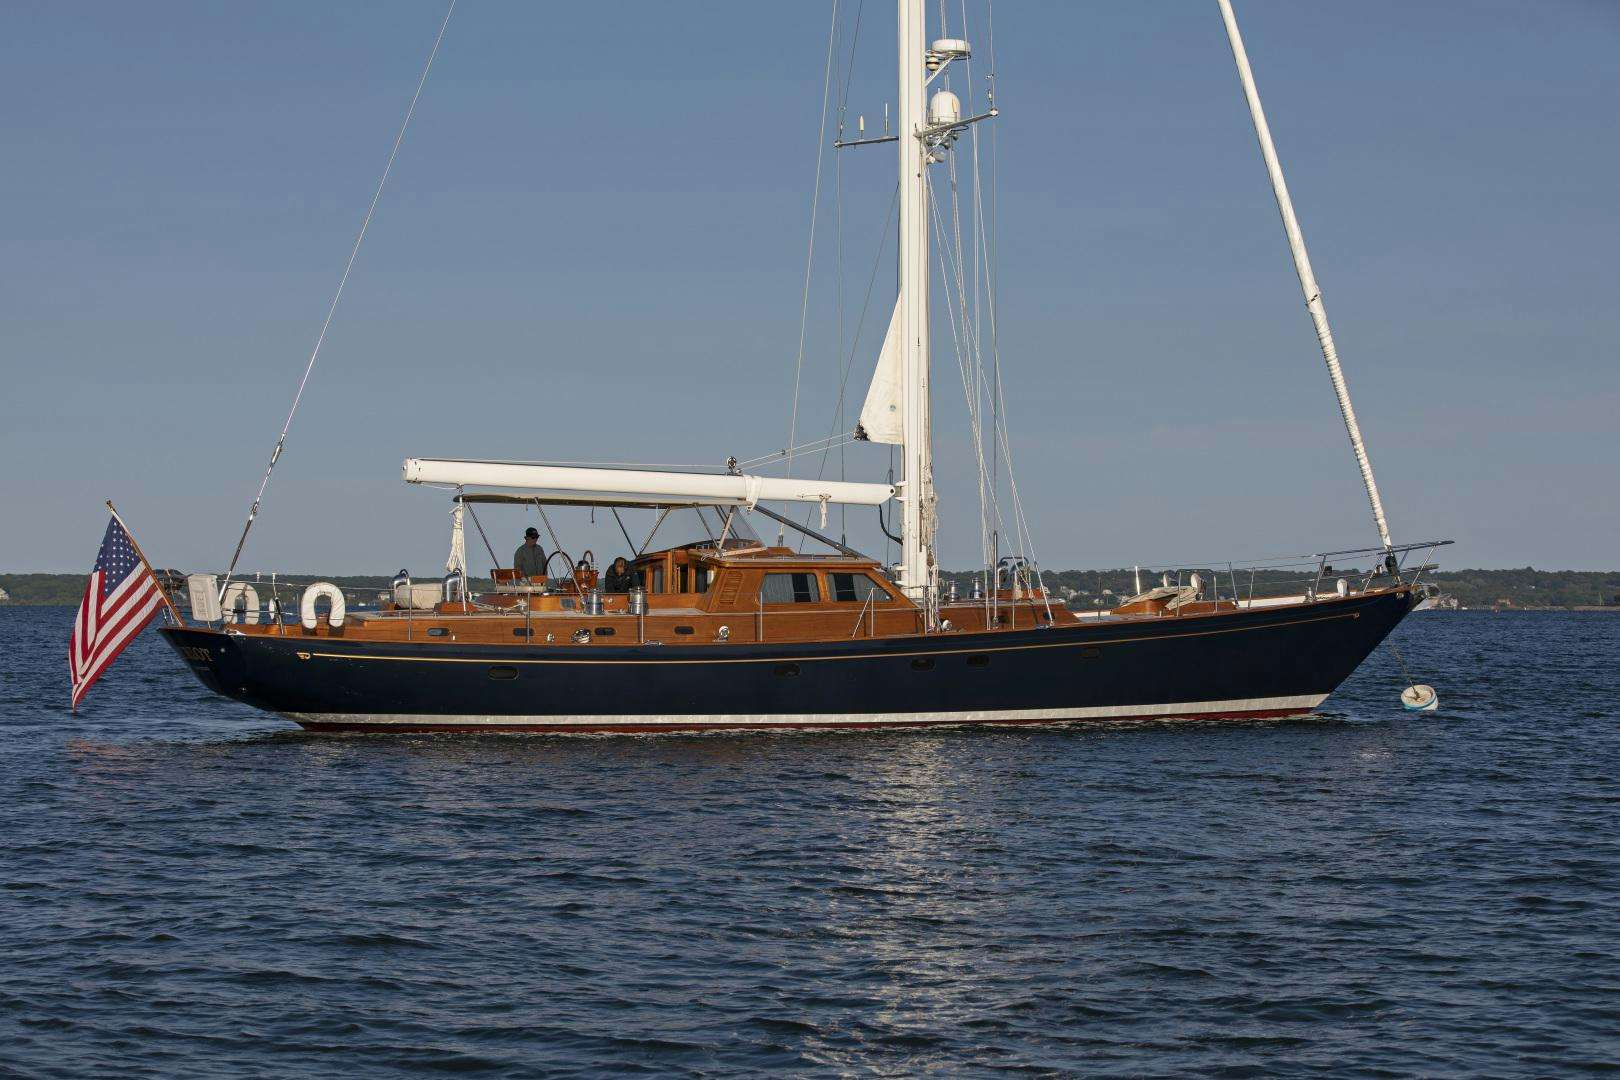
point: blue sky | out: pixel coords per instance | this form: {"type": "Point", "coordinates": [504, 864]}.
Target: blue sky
{"type": "Point", "coordinates": [593, 242]}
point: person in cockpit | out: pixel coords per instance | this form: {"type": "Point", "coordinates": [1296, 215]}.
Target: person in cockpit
{"type": "Point", "coordinates": [619, 577]}
{"type": "Point", "coordinates": [530, 559]}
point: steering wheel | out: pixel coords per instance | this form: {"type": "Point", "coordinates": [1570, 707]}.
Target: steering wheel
{"type": "Point", "coordinates": [568, 564]}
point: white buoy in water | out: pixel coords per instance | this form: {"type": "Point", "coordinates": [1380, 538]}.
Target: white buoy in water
{"type": "Point", "coordinates": [1420, 698]}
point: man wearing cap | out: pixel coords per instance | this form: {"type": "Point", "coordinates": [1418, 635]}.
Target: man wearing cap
{"type": "Point", "coordinates": [530, 560]}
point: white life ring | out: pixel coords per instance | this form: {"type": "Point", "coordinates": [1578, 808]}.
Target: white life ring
{"type": "Point", "coordinates": [249, 597]}
{"type": "Point", "coordinates": [306, 607]}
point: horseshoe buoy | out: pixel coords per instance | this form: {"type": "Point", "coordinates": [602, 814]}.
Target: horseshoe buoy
{"type": "Point", "coordinates": [306, 608]}
{"type": "Point", "coordinates": [240, 603]}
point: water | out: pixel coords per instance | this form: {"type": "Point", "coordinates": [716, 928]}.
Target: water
{"type": "Point", "coordinates": [193, 888]}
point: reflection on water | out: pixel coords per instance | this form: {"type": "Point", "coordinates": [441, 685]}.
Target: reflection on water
{"type": "Point", "coordinates": [191, 887]}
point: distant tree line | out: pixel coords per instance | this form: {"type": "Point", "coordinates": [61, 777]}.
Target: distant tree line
{"type": "Point", "coordinates": [1082, 589]}
{"type": "Point", "coordinates": [1524, 588]}
{"type": "Point", "coordinates": [69, 588]}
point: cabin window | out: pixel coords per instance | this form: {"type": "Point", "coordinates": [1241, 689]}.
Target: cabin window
{"type": "Point", "coordinates": [680, 579]}
{"type": "Point", "coordinates": [789, 589]}
{"type": "Point", "coordinates": [700, 579]}
{"type": "Point", "coordinates": [658, 579]}
{"type": "Point", "coordinates": [856, 588]}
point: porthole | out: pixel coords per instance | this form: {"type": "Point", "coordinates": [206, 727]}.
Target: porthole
{"type": "Point", "coordinates": [503, 673]}
{"type": "Point", "coordinates": [923, 663]}
{"type": "Point", "coordinates": [788, 671]}
{"type": "Point", "coordinates": [523, 631]}
{"type": "Point", "coordinates": [1090, 652]}
{"type": "Point", "coordinates": [438, 631]}
{"type": "Point", "coordinates": [604, 631]}
{"type": "Point", "coordinates": [683, 630]}
{"type": "Point", "coordinates": [979, 661]}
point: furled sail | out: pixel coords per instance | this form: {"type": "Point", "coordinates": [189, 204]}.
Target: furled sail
{"type": "Point", "coordinates": [883, 417]}
{"type": "Point", "coordinates": [457, 562]}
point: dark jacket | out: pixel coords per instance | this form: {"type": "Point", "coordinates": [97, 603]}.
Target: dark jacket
{"type": "Point", "coordinates": [529, 561]}
{"type": "Point", "coordinates": [612, 582]}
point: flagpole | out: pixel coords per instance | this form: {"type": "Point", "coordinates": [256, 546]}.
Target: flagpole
{"type": "Point", "coordinates": [174, 612]}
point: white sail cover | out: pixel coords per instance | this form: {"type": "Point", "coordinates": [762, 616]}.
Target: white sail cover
{"type": "Point", "coordinates": [457, 562]}
{"type": "Point", "coordinates": [638, 487]}
{"type": "Point", "coordinates": [883, 417]}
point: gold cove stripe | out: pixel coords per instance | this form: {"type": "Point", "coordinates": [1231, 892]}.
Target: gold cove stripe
{"type": "Point", "coordinates": [846, 656]}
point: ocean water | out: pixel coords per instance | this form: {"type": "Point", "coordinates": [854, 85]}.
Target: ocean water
{"type": "Point", "coordinates": [190, 888]}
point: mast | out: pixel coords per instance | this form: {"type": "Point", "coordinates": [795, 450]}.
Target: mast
{"type": "Point", "coordinates": [917, 523]}
{"type": "Point", "coordinates": [1302, 265]}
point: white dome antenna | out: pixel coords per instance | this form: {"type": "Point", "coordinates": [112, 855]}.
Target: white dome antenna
{"type": "Point", "coordinates": [944, 50]}
{"type": "Point", "coordinates": [944, 109]}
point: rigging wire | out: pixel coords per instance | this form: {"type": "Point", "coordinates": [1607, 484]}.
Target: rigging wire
{"type": "Point", "coordinates": [838, 165]}
{"type": "Point", "coordinates": [968, 340]}
{"type": "Point", "coordinates": [810, 255]}
{"type": "Point", "coordinates": [815, 446]}
{"type": "Point", "coordinates": [855, 344]}
{"type": "Point", "coordinates": [950, 266]}
{"type": "Point", "coordinates": [990, 251]}
{"type": "Point", "coordinates": [980, 270]}
{"type": "Point", "coordinates": [281, 441]}
{"type": "Point", "coordinates": [860, 322]}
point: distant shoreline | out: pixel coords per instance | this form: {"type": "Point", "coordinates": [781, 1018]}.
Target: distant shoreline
{"type": "Point", "coordinates": [1525, 589]}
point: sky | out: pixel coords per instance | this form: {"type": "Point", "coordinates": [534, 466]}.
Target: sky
{"type": "Point", "coordinates": [593, 246]}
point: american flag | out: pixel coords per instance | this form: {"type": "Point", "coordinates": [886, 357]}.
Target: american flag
{"type": "Point", "coordinates": [120, 598]}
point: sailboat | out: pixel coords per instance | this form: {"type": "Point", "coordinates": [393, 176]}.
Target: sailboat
{"type": "Point", "coordinates": [730, 631]}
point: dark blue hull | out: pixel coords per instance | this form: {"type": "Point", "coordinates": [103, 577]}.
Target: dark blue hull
{"type": "Point", "coordinates": [1262, 663]}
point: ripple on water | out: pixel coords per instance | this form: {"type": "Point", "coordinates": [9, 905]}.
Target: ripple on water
{"type": "Point", "coordinates": [192, 888]}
